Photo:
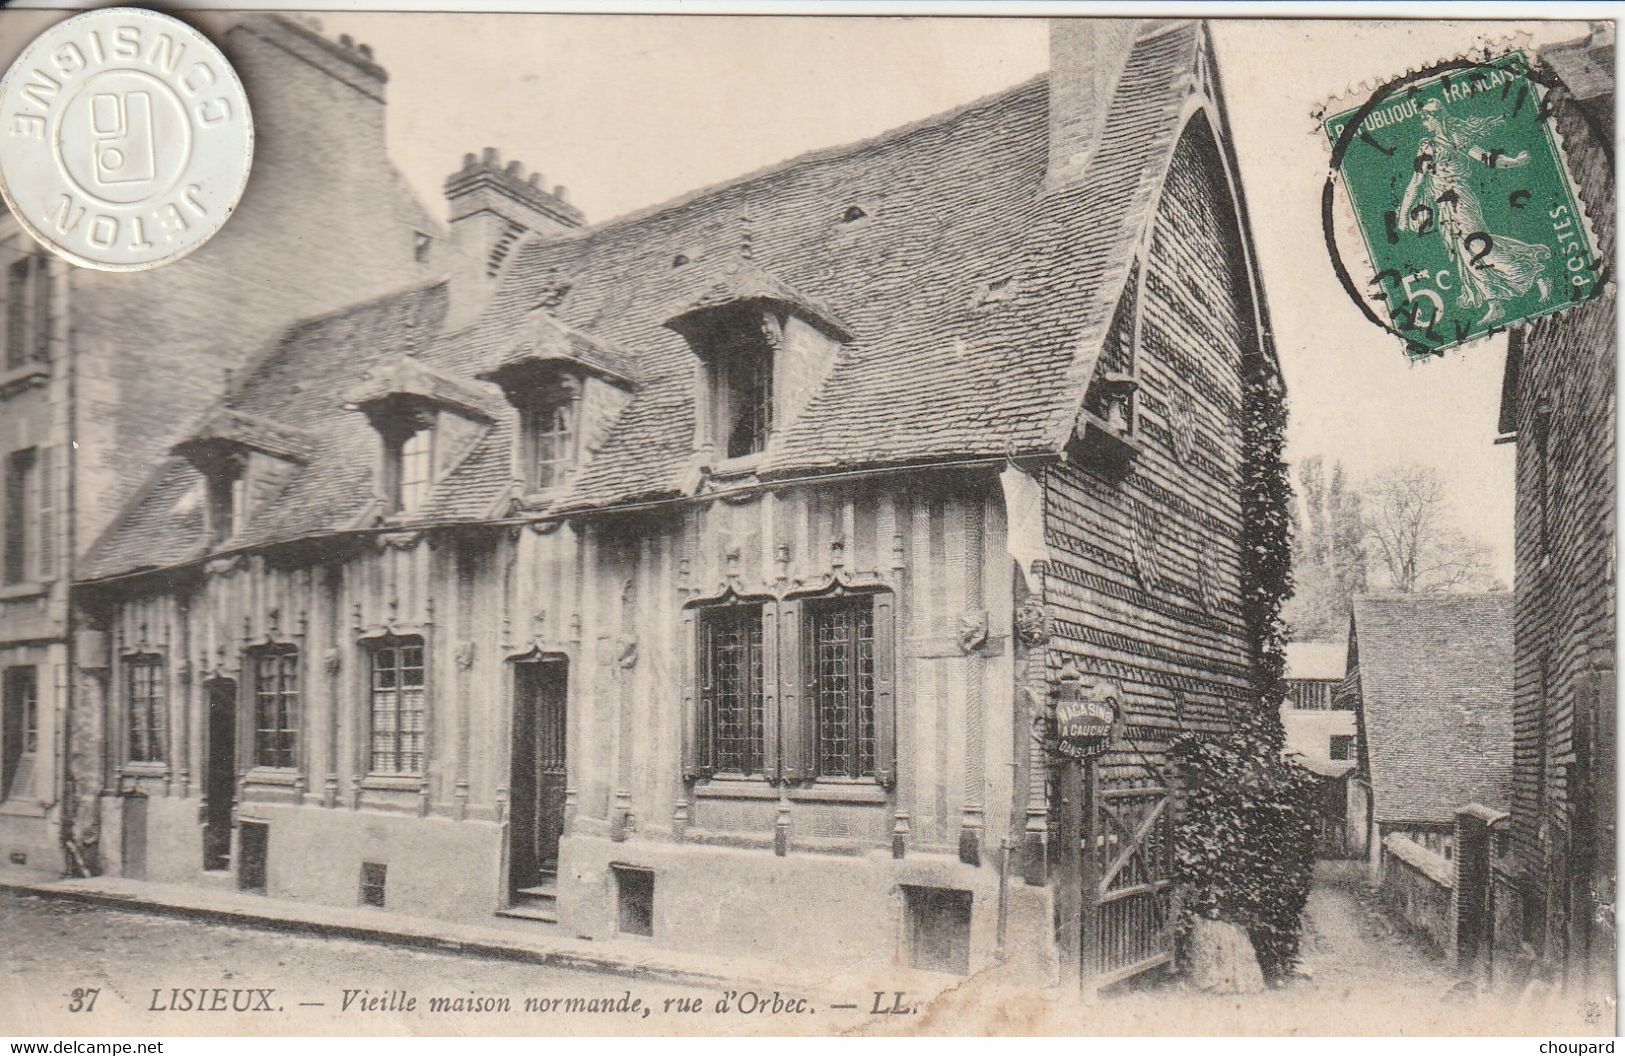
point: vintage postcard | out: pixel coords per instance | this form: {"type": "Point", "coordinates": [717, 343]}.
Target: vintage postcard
{"type": "Point", "coordinates": [567, 524]}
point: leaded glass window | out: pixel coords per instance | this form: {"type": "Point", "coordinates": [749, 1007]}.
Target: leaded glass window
{"type": "Point", "coordinates": [731, 686]}
{"type": "Point", "coordinates": [841, 638]}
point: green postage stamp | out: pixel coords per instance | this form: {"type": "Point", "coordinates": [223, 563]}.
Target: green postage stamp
{"type": "Point", "coordinates": [1462, 198]}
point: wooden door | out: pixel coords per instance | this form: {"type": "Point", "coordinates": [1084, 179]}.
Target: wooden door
{"type": "Point", "coordinates": [220, 775]}
{"type": "Point", "coordinates": [536, 820]}
{"type": "Point", "coordinates": [135, 837]}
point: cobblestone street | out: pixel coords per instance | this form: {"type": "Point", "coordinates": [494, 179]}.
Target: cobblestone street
{"type": "Point", "coordinates": [53, 948]}
{"type": "Point", "coordinates": [1362, 974]}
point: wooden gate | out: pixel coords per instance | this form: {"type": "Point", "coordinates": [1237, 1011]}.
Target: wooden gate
{"type": "Point", "coordinates": [1129, 906]}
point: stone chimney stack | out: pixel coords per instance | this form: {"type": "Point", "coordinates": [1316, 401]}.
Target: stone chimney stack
{"type": "Point", "coordinates": [1086, 59]}
{"type": "Point", "coordinates": [494, 205]}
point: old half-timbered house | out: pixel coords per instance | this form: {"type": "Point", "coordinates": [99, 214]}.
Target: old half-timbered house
{"type": "Point", "coordinates": [1558, 404]}
{"type": "Point", "coordinates": [700, 574]}
{"type": "Point", "coordinates": [102, 371]}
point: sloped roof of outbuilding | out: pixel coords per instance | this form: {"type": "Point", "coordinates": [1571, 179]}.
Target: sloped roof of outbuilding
{"type": "Point", "coordinates": [934, 369]}
{"type": "Point", "coordinates": [1436, 701]}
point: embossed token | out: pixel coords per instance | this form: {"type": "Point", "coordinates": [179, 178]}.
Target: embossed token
{"type": "Point", "coordinates": [125, 139]}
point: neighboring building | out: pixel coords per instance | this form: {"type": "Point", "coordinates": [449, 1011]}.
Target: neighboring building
{"type": "Point", "coordinates": [1558, 403]}
{"type": "Point", "coordinates": [103, 371]}
{"type": "Point", "coordinates": [1318, 732]}
{"type": "Point", "coordinates": [1430, 682]}
{"type": "Point", "coordinates": [705, 580]}
{"type": "Point", "coordinates": [1320, 735]}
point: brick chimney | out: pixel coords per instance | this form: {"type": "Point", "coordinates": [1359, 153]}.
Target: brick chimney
{"type": "Point", "coordinates": [494, 205]}
{"type": "Point", "coordinates": [1086, 60]}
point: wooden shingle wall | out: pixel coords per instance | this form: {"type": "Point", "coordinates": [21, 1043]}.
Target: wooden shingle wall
{"type": "Point", "coordinates": [1144, 578]}
{"type": "Point", "coordinates": [1565, 386]}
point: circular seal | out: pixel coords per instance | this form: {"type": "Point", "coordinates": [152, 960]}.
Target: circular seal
{"type": "Point", "coordinates": [125, 139]}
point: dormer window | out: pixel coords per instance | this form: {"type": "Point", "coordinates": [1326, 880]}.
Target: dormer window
{"type": "Point", "coordinates": [742, 390]}
{"type": "Point", "coordinates": [550, 439]}
{"type": "Point", "coordinates": [427, 422]}
{"type": "Point", "coordinates": [228, 493]}
{"type": "Point", "coordinates": [244, 460]}
{"type": "Point", "coordinates": [737, 328]}
{"type": "Point", "coordinates": [414, 460]}
{"type": "Point", "coordinates": [566, 387]}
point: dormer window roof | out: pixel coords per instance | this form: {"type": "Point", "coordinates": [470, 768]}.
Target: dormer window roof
{"type": "Point", "coordinates": [227, 429]}
{"type": "Point", "coordinates": [408, 385]}
{"type": "Point", "coordinates": [549, 347]}
{"type": "Point", "coordinates": [742, 283]}
{"type": "Point", "coordinates": [736, 325]}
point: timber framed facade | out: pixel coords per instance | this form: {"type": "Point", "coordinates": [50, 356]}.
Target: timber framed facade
{"type": "Point", "coordinates": [101, 372]}
{"type": "Point", "coordinates": [757, 529]}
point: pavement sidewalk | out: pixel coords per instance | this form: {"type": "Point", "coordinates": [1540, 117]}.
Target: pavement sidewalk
{"type": "Point", "coordinates": [625, 957]}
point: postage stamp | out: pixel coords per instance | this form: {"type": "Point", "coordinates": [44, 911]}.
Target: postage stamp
{"type": "Point", "coordinates": [1461, 196]}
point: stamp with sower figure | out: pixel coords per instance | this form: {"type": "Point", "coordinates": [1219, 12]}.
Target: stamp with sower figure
{"type": "Point", "coordinates": [1462, 199]}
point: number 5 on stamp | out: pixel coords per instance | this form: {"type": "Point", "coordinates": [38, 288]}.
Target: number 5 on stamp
{"type": "Point", "coordinates": [1466, 209]}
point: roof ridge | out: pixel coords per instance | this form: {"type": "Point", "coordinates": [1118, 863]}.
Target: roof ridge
{"type": "Point", "coordinates": [1429, 595]}
{"type": "Point", "coordinates": [832, 152]}
{"type": "Point", "coordinates": [1151, 28]}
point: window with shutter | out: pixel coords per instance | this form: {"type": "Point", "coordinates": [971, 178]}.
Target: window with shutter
{"type": "Point", "coordinates": [21, 515]}
{"type": "Point", "coordinates": [27, 308]}
{"type": "Point", "coordinates": [45, 549]}
{"type": "Point", "coordinates": [19, 730]}
{"type": "Point", "coordinates": [792, 690]}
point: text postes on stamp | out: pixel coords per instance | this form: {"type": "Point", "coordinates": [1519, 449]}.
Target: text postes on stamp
{"type": "Point", "coordinates": [125, 139]}
{"type": "Point", "coordinates": [1461, 196]}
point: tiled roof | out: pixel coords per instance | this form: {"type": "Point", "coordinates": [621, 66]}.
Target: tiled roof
{"type": "Point", "coordinates": [740, 282]}
{"type": "Point", "coordinates": [409, 378]}
{"type": "Point", "coordinates": [973, 301]}
{"type": "Point", "coordinates": [1436, 687]}
{"type": "Point", "coordinates": [552, 342]}
{"type": "Point", "coordinates": [231, 426]}
{"type": "Point", "coordinates": [301, 384]}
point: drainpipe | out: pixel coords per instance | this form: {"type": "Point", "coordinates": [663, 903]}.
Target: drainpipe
{"type": "Point", "coordinates": [1004, 898]}
{"type": "Point", "coordinates": [67, 788]}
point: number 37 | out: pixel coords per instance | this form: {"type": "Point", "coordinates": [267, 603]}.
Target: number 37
{"type": "Point", "coordinates": [83, 1000]}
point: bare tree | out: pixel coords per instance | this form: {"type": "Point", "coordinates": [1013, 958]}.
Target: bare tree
{"type": "Point", "coordinates": [1406, 514]}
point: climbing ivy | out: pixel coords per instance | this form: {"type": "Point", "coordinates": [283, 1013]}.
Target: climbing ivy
{"type": "Point", "coordinates": [1266, 566]}
{"type": "Point", "coordinates": [1246, 842]}
{"type": "Point", "coordinates": [1245, 836]}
